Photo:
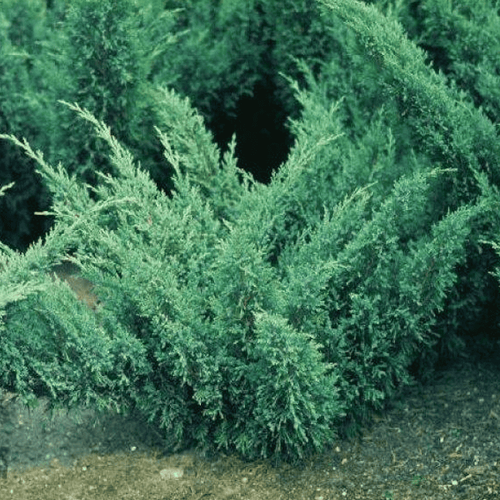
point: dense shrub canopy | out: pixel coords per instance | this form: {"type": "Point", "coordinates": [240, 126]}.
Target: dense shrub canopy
{"type": "Point", "coordinates": [236, 314]}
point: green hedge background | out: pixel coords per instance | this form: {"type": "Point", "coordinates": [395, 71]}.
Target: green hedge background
{"type": "Point", "coordinates": [289, 210]}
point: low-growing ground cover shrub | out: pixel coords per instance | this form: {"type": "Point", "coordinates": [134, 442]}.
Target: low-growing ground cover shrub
{"type": "Point", "coordinates": [265, 318]}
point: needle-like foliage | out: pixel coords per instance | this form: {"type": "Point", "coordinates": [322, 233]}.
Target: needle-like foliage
{"type": "Point", "coordinates": [264, 318]}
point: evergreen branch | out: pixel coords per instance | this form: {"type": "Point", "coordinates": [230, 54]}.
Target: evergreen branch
{"type": "Point", "coordinates": [460, 135]}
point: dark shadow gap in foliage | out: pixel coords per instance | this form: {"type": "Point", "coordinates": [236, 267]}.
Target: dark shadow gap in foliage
{"type": "Point", "coordinates": [19, 224]}
{"type": "Point", "coordinates": [263, 139]}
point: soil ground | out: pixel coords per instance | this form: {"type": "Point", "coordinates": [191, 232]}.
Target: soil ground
{"type": "Point", "coordinates": [440, 441]}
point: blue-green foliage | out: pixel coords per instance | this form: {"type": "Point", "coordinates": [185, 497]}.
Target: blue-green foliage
{"type": "Point", "coordinates": [107, 56]}
{"type": "Point", "coordinates": [97, 53]}
{"type": "Point", "coordinates": [255, 351]}
{"type": "Point", "coordinates": [224, 51]}
{"type": "Point", "coordinates": [218, 54]}
{"type": "Point", "coordinates": [251, 317]}
{"type": "Point", "coordinates": [446, 129]}
{"type": "Point", "coordinates": [462, 40]}
{"type": "Point", "coordinates": [105, 61]}
{"type": "Point", "coordinates": [21, 33]}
